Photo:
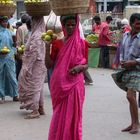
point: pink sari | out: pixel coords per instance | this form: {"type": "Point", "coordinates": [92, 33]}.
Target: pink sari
{"type": "Point", "coordinates": [67, 91]}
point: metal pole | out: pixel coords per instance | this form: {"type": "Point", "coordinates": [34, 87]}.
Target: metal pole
{"type": "Point", "coordinates": [105, 5]}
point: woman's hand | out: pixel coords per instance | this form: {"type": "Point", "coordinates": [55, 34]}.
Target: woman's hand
{"type": "Point", "coordinates": [77, 69]}
{"type": "Point", "coordinates": [48, 43]}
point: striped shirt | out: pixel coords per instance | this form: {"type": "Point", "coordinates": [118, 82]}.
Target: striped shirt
{"type": "Point", "coordinates": [130, 47]}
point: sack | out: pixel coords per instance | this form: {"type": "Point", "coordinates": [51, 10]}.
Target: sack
{"type": "Point", "coordinates": [53, 22]}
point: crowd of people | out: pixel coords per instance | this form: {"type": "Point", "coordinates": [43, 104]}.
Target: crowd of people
{"type": "Point", "coordinates": [22, 76]}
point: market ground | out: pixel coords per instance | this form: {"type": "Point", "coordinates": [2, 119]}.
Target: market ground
{"type": "Point", "coordinates": [105, 114]}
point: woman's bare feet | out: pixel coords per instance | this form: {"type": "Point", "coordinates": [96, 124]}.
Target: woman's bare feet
{"type": "Point", "coordinates": [41, 110]}
{"type": "Point", "coordinates": [127, 129]}
{"type": "Point", "coordinates": [15, 99]}
{"type": "Point", "coordinates": [33, 115]}
{"type": "Point", "coordinates": [2, 100]}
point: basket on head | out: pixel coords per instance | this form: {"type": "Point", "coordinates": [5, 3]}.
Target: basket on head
{"type": "Point", "coordinates": [64, 7]}
{"type": "Point", "coordinates": [38, 8]}
{"type": "Point", "coordinates": [7, 9]}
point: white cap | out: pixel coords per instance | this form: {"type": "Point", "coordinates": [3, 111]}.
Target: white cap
{"type": "Point", "coordinates": [125, 21]}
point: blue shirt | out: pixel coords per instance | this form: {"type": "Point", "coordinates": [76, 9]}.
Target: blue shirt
{"type": "Point", "coordinates": [130, 47]}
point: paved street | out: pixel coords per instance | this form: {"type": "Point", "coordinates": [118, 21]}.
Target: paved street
{"type": "Point", "coordinates": [105, 114]}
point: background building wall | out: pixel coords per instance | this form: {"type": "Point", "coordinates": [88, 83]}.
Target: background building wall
{"type": "Point", "coordinates": [101, 5]}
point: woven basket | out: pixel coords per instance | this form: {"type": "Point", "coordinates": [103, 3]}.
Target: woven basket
{"type": "Point", "coordinates": [7, 9]}
{"type": "Point", "coordinates": [64, 7]}
{"type": "Point", "coordinates": [38, 9]}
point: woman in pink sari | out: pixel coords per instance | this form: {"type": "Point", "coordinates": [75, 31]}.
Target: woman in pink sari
{"type": "Point", "coordinates": [33, 72]}
{"type": "Point", "coordinates": [67, 82]}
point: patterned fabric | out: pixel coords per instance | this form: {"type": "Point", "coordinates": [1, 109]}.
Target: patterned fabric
{"type": "Point", "coordinates": [127, 79]}
{"type": "Point", "coordinates": [130, 48]}
{"type": "Point", "coordinates": [8, 82]}
{"type": "Point", "coordinates": [33, 72]}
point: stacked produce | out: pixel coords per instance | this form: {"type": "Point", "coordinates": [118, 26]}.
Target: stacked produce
{"type": "Point", "coordinates": [6, 2]}
{"type": "Point", "coordinates": [7, 7]}
{"type": "Point", "coordinates": [66, 7]}
{"type": "Point", "coordinates": [92, 38]}
{"type": "Point", "coordinates": [37, 7]}
{"type": "Point", "coordinates": [21, 49]}
{"type": "Point", "coordinates": [48, 36]}
{"type": "Point", "coordinates": [33, 1]}
{"type": "Point", "coordinates": [4, 50]}
{"type": "Point", "coordinates": [116, 37]}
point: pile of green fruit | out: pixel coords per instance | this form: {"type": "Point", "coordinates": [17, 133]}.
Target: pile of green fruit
{"type": "Point", "coordinates": [6, 2]}
{"type": "Point", "coordinates": [33, 1]}
{"type": "Point", "coordinates": [21, 49]}
{"type": "Point", "coordinates": [92, 38]}
{"type": "Point", "coordinates": [48, 36]}
{"type": "Point", "coordinates": [4, 50]}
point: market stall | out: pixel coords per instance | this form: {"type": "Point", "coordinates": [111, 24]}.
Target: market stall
{"type": "Point", "coordinates": [112, 53]}
{"type": "Point", "coordinates": [93, 57]}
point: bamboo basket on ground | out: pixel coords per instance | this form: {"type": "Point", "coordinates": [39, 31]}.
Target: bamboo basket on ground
{"type": "Point", "coordinates": [7, 9]}
{"type": "Point", "coordinates": [38, 8]}
{"type": "Point", "coordinates": [64, 7]}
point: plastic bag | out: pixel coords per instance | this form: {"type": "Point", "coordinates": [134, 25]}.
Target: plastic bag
{"type": "Point", "coordinates": [53, 22]}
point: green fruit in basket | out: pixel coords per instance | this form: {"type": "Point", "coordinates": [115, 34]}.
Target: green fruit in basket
{"type": "Point", "coordinates": [9, 2]}
{"type": "Point", "coordinates": [89, 38]}
{"type": "Point", "coordinates": [43, 36]}
{"type": "Point", "coordinates": [92, 38]}
{"type": "Point", "coordinates": [34, 1]}
{"type": "Point", "coordinates": [3, 2]}
{"type": "Point", "coordinates": [49, 32]}
{"type": "Point", "coordinates": [47, 38]}
{"type": "Point", "coordinates": [27, 1]}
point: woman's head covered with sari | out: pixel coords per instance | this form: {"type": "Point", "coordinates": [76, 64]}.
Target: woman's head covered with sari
{"type": "Point", "coordinates": [38, 25]}
{"type": "Point", "coordinates": [71, 54]}
{"type": "Point", "coordinates": [37, 28]}
{"type": "Point", "coordinates": [69, 24]}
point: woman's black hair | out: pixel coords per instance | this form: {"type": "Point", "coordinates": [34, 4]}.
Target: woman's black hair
{"type": "Point", "coordinates": [19, 23]}
{"type": "Point", "coordinates": [133, 17]}
{"type": "Point", "coordinates": [64, 18]}
{"type": "Point", "coordinates": [24, 18]}
{"type": "Point", "coordinates": [109, 18]}
{"type": "Point", "coordinates": [28, 24]}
